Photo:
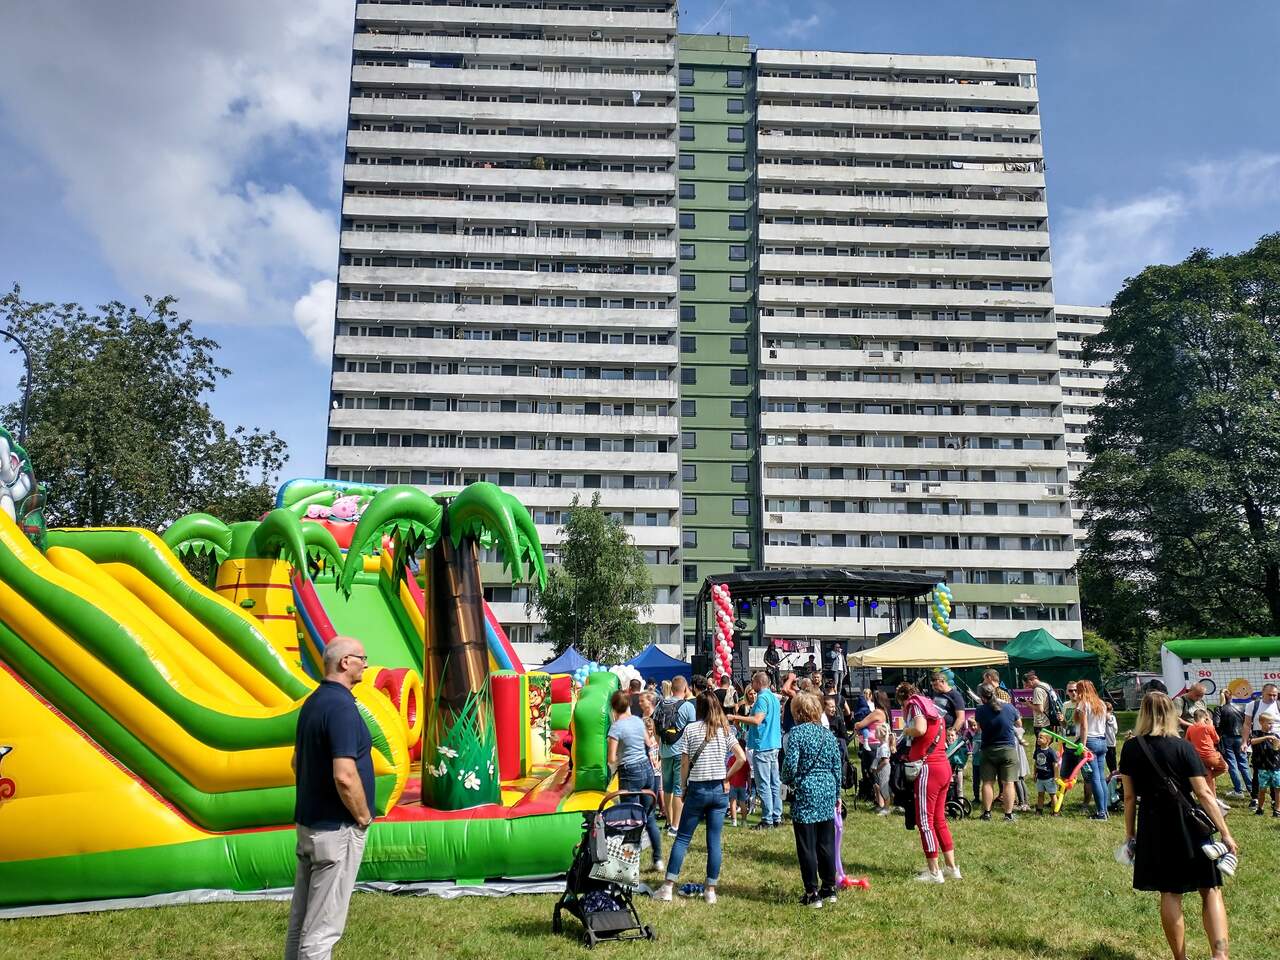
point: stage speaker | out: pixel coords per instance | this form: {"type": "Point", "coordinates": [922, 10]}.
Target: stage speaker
{"type": "Point", "coordinates": [701, 664]}
{"type": "Point", "coordinates": [741, 656]}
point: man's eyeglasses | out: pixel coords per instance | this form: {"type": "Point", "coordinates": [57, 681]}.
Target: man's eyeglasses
{"type": "Point", "coordinates": [362, 657]}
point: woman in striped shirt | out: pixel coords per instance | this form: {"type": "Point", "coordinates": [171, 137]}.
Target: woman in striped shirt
{"type": "Point", "coordinates": [704, 749]}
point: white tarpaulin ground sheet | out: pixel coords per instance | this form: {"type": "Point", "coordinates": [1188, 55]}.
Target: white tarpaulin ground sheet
{"type": "Point", "coordinates": [446, 891]}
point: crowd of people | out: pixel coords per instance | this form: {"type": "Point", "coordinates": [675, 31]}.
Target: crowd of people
{"type": "Point", "coordinates": [714, 753]}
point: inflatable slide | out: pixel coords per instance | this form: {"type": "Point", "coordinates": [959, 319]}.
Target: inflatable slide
{"type": "Point", "coordinates": [147, 734]}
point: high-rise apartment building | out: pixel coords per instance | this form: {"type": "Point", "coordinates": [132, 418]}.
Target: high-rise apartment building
{"type": "Point", "coordinates": [778, 308]}
{"type": "Point", "coordinates": [1082, 387]}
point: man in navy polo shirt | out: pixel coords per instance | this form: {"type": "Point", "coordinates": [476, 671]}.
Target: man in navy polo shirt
{"type": "Point", "coordinates": [334, 804]}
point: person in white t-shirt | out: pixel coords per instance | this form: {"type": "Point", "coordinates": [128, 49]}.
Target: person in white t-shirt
{"type": "Point", "coordinates": [1265, 706]}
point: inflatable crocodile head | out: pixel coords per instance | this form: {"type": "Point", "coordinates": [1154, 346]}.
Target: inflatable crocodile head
{"type": "Point", "coordinates": [21, 498]}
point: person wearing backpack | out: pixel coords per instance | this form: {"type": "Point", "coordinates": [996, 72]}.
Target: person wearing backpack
{"type": "Point", "coordinates": [1046, 707]}
{"type": "Point", "coordinates": [672, 715]}
{"type": "Point", "coordinates": [1230, 725]}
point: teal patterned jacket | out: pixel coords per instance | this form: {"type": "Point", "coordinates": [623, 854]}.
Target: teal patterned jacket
{"type": "Point", "coordinates": [813, 768]}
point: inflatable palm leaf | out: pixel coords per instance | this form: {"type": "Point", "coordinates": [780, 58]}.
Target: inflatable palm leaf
{"type": "Point", "coordinates": [403, 512]}
{"type": "Point", "coordinates": [280, 535]}
{"type": "Point", "coordinates": [199, 534]}
{"type": "Point", "coordinates": [494, 517]}
{"type": "Point", "coordinates": [321, 547]}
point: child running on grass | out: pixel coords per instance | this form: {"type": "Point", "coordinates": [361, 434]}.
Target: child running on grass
{"type": "Point", "coordinates": [1046, 764]}
{"type": "Point", "coordinates": [1266, 763]}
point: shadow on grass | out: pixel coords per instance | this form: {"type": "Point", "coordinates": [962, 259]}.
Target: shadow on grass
{"type": "Point", "coordinates": [1035, 946]}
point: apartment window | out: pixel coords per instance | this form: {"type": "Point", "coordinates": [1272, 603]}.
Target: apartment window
{"type": "Point", "coordinates": [688, 344]}
{"type": "Point", "coordinates": [737, 134]}
{"type": "Point", "coordinates": [690, 573]}
{"type": "Point", "coordinates": [738, 441]}
{"type": "Point", "coordinates": [741, 507]}
{"type": "Point", "coordinates": [688, 313]}
{"type": "Point", "coordinates": [738, 377]}
{"type": "Point", "coordinates": [688, 376]}
{"type": "Point", "coordinates": [733, 78]}
{"type": "Point", "coordinates": [687, 161]}
{"type": "Point", "coordinates": [739, 473]}
{"type": "Point", "coordinates": [736, 105]}
{"type": "Point", "coordinates": [688, 472]}
{"type": "Point", "coordinates": [737, 221]}
{"type": "Point", "coordinates": [686, 133]}
{"type": "Point", "coordinates": [686, 104]}
{"type": "Point", "coordinates": [688, 506]}
{"type": "Point", "coordinates": [737, 191]}
{"type": "Point", "coordinates": [737, 162]}
{"type": "Point", "coordinates": [737, 314]}
{"type": "Point", "coordinates": [689, 539]}
{"type": "Point", "coordinates": [688, 191]}
{"type": "Point", "coordinates": [741, 540]}
{"type": "Point", "coordinates": [737, 251]}
{"type": "Point", "coordinates": [688, 251]}
{"type": "Point", "coordinates": [688, 408]}
{"type": "Point", "coordinates": [737, 283]}
{"type": "Point", "coordinates": [688, 440]}
{"type": "Point", "coordinates": [737, 344]}
{"type": "Point", "coordinates": [686, 76]}
{"type": "Point", "coordinates": [688, 281]}
{"type": "Point", "coordinates": [687, 221]}
{"type": "Point", "coordinates": [737, 408]}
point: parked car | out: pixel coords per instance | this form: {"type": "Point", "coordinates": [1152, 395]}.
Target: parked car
{"type": "Point", "coordinates": [1125, 690]}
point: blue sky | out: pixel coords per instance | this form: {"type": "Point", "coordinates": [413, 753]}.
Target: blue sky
{"type": "Point", "coordinates": [195, 149]}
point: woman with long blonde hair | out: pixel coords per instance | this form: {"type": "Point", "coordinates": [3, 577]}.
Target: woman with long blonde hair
{"type": "Point", "coordinates": [1091, 730]}
{"type": "Point", "coordinates": [1169, 856]}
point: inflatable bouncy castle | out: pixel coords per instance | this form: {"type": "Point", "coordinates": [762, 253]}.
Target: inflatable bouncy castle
{"type": "Point", "coordinates": [148, 720]}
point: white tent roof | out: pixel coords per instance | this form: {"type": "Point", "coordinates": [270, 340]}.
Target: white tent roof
{"type": "Point", "coordinates": [922, 646]}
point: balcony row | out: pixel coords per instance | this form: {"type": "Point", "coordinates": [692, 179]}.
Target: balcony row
{"type": "Point", "coordinates": [478, 112]}
{"type": "Point", "coordinates": [914, 490]}
{"type": "Point", "coordinates": [375, 242]}
{"type": "Point", "coordinates": [505, 146]}
{"type": "Point", "coordinates": [503, 315]}
{"type": "Point", "coordinates": [901, 236]}
{"type": "Point", "coordinates": [900, 523]}
{"type": "Point", "coordinates": [936, 267]}
{"type": "Point", "coordinates": [909, 423]}
{"type": "Point", "coordinates": [897, 64]}
{"type": "Point", "coordinates": [501, 49]}
{"type": "Point", "coordinates": [418, 348]}
{"type": "Point", "coordinates": [913, 457]}
{"type": "Point", "coordinates": [779, 114]}
{"type": "Point", "coordinates": [958, 94]}
{"type": "Point", "coordinates": [404, 209]}
{"type": "Point", "coordinates": [427, 458]}
{"type": "Point", "coordinates": [801, 204]}
{"type": "Point", "coordinates": [393, 16]}
{"type": "Point", "coordinates": [536, 388]}
{"type": "Point", "coordinates": [847, 628]}
{"type": "Point", "coordinates": [467, 422]}
{"type": "Point", "coordinates": [661, 285]}
{"type": "Point", "coordinates": [511, 178]}
{"type": "Point", "coordinates": [780, 295]}
{"type": "Point", "coordinates": [416, 76]}
{"type": "Point", "coordinates": [894, 557]}
{"type": "Point", "coordinates": [980, 175]}
{"type": "Point", "coordinates": [775, 142]}
{"type": "Point", "coordinates": [909, 361]}
{"type": "Point", "coordinates": [922, 392]}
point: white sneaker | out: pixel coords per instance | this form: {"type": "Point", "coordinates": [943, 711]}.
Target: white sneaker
{"type": "Point", "coordinates": [1222, 806]}
{"type": "Point", "coordinates": [663, 893]}
{"type": "Point", "coordinates": [659, 865]}
{"type": "Point", "coordinates": [709, 895]}
{"type": "Point", "coordinates": [882, 812]}
{"type": "Point", "coordinates": [1227, 863]}
{"type": "Point", "coordinates": [928, 876]}
{"type": "Point", "coordinates": [952, 872]}
{"type": "Point", "coordinates": [1236, 795]}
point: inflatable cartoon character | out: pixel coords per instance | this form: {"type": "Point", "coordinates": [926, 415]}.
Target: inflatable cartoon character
{"type": "Point", "coordinates": [16, 479]}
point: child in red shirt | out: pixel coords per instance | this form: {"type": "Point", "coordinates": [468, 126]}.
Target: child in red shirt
{"type": "Point", "coordinates": [1204, 738]}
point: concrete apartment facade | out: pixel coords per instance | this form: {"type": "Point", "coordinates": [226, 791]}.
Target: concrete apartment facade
{"type": "Point", "coordinates": [778, 308]}
{"type": "Point", "coordinates": [1082, 388]}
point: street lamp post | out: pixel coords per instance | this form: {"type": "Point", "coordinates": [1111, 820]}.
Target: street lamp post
{"type": "Point", "coordinates": [26, 394]}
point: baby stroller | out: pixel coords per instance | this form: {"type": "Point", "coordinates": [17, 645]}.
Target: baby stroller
{"type": "Point", "coordinates": [958, 806]}
{"type": "Point", "coordinates": [605, 870]}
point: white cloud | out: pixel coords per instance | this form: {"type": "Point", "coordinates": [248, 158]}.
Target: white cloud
{"type": "Point", "coordinates": [313, 315]}
{"type": "Point", "coordinates": [187, 136]}
{"type": "Point", "coordinates": [1097, 247]}
{"type": "Point", "coordinates": [799, 26]}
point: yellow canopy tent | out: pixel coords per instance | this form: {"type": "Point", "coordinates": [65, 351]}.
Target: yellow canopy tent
{"type": "Point", "coordinates": [922, 646]}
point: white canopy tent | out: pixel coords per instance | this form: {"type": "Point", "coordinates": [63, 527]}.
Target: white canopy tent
{"type": "Point", "coordinates": [922, 646]}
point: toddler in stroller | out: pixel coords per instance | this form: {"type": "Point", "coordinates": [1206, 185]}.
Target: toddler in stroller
{"type": "Point", "coordinates": [606, 869]}
{"type": "Point", "coordinates": [958, 806]}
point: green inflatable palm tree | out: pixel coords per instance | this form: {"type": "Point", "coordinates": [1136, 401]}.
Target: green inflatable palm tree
{"type": "Point", "coordinates": [280, 535]}
{"type": "Point", "coordinates": [459, 750]}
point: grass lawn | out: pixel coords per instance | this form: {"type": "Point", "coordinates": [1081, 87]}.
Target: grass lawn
{"type": "Point", "coordinates": [1039, 888]}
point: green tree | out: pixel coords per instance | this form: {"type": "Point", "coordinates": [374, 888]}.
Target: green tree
{"type": "Point", "coordinates": [1183, 494]}
{"type": "Point", "coordinates": [1108, 656]}
{"type": "Point", "coordinates": [121, 431]}
{"type": "Point", "coordinates": [596, 595]}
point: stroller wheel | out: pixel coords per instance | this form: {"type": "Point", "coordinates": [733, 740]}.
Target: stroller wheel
{"type": "Point", "coordinates": [966, 807]}
{"type": "Point", "coordinates": [589, 938]}
{"type": "Point", "coordinates": [648, 932]}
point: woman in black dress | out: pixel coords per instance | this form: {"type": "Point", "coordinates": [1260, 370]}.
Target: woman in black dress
{"type": "Point", "coordinates": [1167, 858]}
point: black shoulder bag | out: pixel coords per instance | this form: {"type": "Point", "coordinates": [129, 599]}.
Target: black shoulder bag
{"type": "Point", "coordinates": [1198, 824]}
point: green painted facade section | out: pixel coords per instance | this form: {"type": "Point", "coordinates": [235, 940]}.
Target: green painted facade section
{"type": "Point", "coordinates": [719, 405]}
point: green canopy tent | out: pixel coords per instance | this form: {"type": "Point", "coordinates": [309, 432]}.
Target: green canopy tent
{"type": "Point", "coordinates": [968, 677]}
{"type": "Point", "coordinates": [1053, 661]}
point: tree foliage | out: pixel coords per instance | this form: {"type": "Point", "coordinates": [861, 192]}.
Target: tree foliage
{"type": "Point", "coordinates": [120, 429]}
{"type": "Point", "coordinates": [1108, 655]}
{"type": "Point", "coordinates": [1183, 494]}
{"type": "Point", "coordinates": [595, 596]}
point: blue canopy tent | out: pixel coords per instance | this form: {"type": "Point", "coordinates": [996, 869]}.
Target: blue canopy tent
{"type": "Point", "coordinates": [567, 662]}
{"type": "Point", "coordinates": [656, 665]}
